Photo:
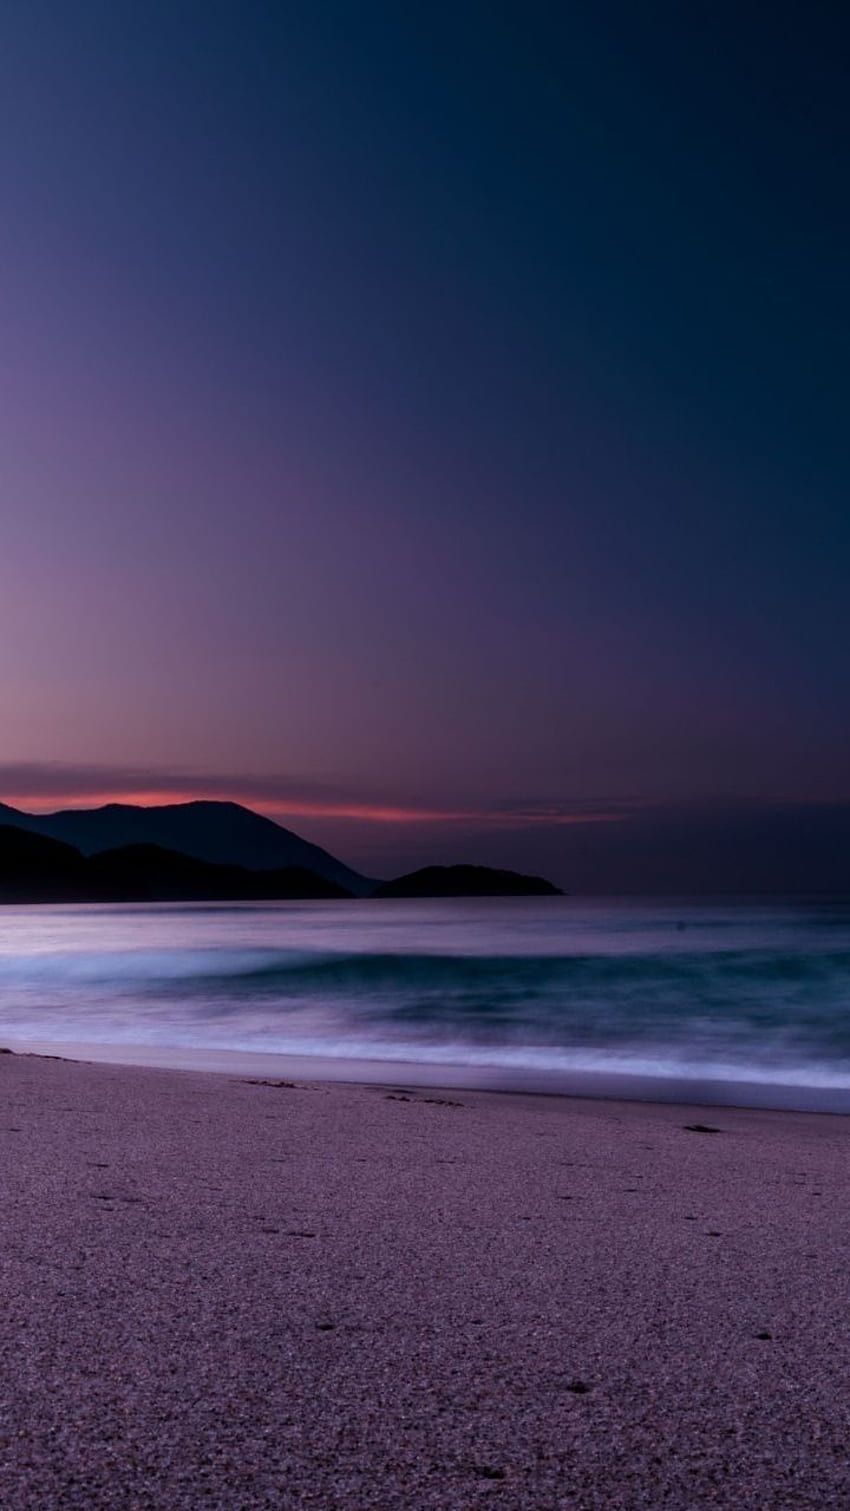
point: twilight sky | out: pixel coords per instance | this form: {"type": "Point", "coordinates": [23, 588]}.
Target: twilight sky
{"type": "Point", "coordinates": [427, 423]}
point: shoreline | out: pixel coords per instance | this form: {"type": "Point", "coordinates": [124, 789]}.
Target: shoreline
{"type": "Point", "coordinates": [579, 1085]}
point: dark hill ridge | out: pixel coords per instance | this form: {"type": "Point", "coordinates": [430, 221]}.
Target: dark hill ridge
{"type": "Point", "coordinates": [221, 833]}
{"type": "Point", "coordinates": [466, 881]}
{"type": "Point", "coordinates": [36, 869]}
{"type": "Point", "coordinates": [150, 873]}
{"type": "Point", "coordinates": [203, 851]}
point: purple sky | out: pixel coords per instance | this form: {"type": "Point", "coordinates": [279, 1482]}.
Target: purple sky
{"type": "Point", "coordinates": [429, 432]}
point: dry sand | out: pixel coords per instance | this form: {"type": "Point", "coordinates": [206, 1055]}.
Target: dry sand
{"type": "Point", "coordinates": [225, 1295]}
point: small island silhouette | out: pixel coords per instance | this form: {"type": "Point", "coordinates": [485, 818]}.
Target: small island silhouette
{"type": "Point", "coordinates": [466, 881]}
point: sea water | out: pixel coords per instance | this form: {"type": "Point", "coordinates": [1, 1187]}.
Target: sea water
{"type": "Point", "coordinates": [744, 1001]}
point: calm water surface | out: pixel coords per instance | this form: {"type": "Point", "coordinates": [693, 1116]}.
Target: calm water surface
{"type": "Point", "coordinates": [736, 995]}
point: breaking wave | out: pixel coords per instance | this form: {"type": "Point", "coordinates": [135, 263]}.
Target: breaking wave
{"type": "Point", "coordinates": [737, 992]}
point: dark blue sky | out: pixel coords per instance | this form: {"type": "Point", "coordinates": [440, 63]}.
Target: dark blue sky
{"type": "Point", "coordinates": [427, 423]}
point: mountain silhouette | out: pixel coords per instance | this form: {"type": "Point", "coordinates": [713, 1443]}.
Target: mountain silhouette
{"type": "Point", "coordinates": [34, 869]}
{"type": "Point", "coordinates": [150, 873]}
{"type": "Point", "coordinates": [201, 851]}
{"type": "Point", "coordinates": [221, 833]}
{"type": "Point", "coordinates": [466, 881]}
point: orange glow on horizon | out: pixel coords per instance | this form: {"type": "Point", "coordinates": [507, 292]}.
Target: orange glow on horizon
{"type": "Point", "coordinates": [279, 809]}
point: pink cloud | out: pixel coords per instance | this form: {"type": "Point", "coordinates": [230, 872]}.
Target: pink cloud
{"type": "Point", "coordinates": [44, 787]}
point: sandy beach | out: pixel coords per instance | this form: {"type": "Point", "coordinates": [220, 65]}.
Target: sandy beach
{"type": "Point", "coordinates": [230, 1295]}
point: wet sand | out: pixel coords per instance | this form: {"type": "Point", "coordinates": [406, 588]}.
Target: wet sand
{"type": "Point", "coordinates": [223, 1294]}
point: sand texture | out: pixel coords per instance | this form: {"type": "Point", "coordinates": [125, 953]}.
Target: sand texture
{"type": "Point", "coordinates": [218, 1294]}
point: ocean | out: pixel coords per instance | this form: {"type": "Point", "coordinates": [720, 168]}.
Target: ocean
{"type": "Point", "coordinates": [744, 1001]}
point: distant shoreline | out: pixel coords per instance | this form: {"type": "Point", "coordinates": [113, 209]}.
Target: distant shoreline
{"type": "Point", "coordinates": [38, 868]}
